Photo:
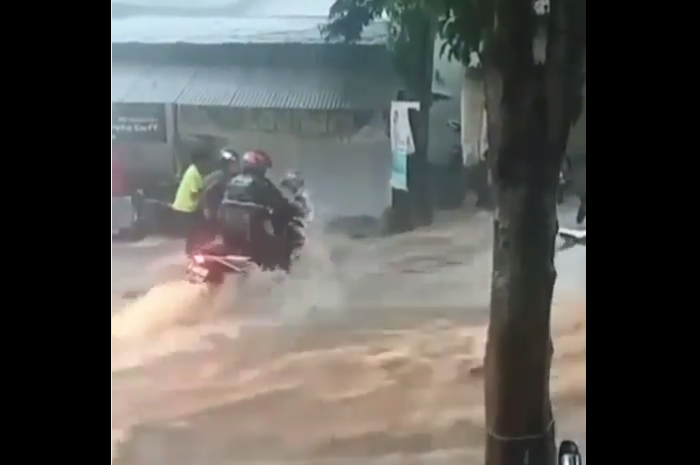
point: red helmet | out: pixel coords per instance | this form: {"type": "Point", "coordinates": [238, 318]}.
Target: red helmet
{"type": "Point", "coordinates": [256, 161]}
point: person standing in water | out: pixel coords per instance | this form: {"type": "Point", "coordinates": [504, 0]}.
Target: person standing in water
{"type": "Point", "coordinates": [186, 205]}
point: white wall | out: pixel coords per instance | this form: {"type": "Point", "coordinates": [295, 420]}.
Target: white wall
{"type": "Point", "coordinates": [345, 177]}
{"type": "Point", "coordinates": [442, 139]}
{"type": "Point", "coordinates": [440, 136]}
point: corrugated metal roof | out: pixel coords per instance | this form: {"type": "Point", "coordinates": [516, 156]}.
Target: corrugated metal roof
{"type": "Point", "coordinates": [123, 77]}
{"type": "Point", "coordinates": [149, 84]}
{"type": "Point", "coordinates": [269, 88]}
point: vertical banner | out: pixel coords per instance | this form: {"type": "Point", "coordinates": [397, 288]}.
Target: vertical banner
{"type": "Point", "coordinates": [402, 144]}
{"type": "Point", "coordinates": [474, 122]}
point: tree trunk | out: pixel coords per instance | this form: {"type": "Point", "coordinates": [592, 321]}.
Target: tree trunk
{"type": "Point", "coordinates": [530, 108]}
{"type": "Point", "coordinates": [518, 353]}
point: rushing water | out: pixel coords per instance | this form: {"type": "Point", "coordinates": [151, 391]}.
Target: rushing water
{"type": "Point", "coordinates": [282, 371]}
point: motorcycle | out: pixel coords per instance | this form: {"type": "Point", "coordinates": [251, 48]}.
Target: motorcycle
{"type": "Point", "coordinates": [569, 453]}
{"type": "Point", "coordinates": [208, 266]}
{"type": "Point", "coordinates": [571, 237]}
{"type": "Point", "coordinates": [212, 262]}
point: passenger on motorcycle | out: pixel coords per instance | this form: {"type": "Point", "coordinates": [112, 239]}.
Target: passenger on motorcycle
{"type": "Point", "coordinates": [187, 203]}
{"type": "Point", "coordinates": [254, 214]}
{"type": "Point", "coordinates": [293, 184]}
{"type": "Point", "coordinates": [229, 165]}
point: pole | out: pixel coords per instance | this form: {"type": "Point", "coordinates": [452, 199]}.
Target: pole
{"type": "Point", "coordinates": [414, 208]}
{"type": "Point", "coordinates": [419, 166]}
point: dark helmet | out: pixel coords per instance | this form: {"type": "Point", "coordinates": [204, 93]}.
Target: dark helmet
{"type": "Point", "coordinates": [293, 180]}
{"type": "Point", "coordinates": [200, 154]}
{"type": "Point", "coordinates": [256, 161]}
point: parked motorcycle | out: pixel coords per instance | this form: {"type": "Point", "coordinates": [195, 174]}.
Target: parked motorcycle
{"type": "Point", "coordinates": [569, 453]}
{"type": "Point", "coordinates": [572, 237]}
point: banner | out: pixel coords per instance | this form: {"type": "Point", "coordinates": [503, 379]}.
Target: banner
{"type": "Point", "coordinates": [474, 122]}
{"type": "Point", "coordinates": [138, 122]}
{"type": "Point", "coordinates": [402, 143]}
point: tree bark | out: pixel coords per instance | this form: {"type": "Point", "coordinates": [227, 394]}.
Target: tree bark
{"type": "Point", "coordinates": [530, 108]}
{"type": "Point", "coordinates": [518, 353]}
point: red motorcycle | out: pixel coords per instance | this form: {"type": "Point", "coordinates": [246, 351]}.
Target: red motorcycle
{"type": "Point", "coordinates": [211, 262]}
{"type": "Point", "coordinates": [210, 265]}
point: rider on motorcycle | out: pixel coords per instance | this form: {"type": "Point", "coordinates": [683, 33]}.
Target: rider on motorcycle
{"type": "Point", "coordinates": [254, 214]}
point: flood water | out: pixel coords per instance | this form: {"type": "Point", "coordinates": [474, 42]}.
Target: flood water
{"type": "Point", "coordinates": [328, 368]}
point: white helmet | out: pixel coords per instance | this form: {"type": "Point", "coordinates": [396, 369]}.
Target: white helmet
{"type": "Point", "coordinates": [293, 181]}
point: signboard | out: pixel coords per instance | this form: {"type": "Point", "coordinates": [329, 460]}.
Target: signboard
{"type": "Point", "coordinates": [402, 144]}
{"type": "Point", "coordinates": [138, 122]}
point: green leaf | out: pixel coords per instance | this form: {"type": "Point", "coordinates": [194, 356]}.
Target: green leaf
{"type": "Point", "coordinates": [348, 18]}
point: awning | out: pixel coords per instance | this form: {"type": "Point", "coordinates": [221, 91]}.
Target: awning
{"type": "Point", "coordinates": [263, 87]}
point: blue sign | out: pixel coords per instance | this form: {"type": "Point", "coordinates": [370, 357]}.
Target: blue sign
{"type": "Point", "coordinates": [399, 170]}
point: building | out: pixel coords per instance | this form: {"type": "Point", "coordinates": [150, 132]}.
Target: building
{"type": "Point", "coordinates": [260, 75]}
{"type": "Point", "coordinates": [254, 80]}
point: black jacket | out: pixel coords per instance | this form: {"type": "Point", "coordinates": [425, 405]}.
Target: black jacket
{"type": "Point", "coordinates": [258, 191]}
{"type": "Point", "coordinates": [214, 189]}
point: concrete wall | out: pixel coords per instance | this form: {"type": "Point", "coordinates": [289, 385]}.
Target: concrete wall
{"type": "Point", "coordinates": [344, 177]}
{"type": "Point", "coordinates": [440, 136]}
{"type": "Point", "coordinates": [156, 159]}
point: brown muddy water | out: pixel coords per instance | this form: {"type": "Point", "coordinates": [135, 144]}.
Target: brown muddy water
{"type": "Point", "coordinates": [309, 372]}
{"type": "Point", "coordinates": [194, 386]}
